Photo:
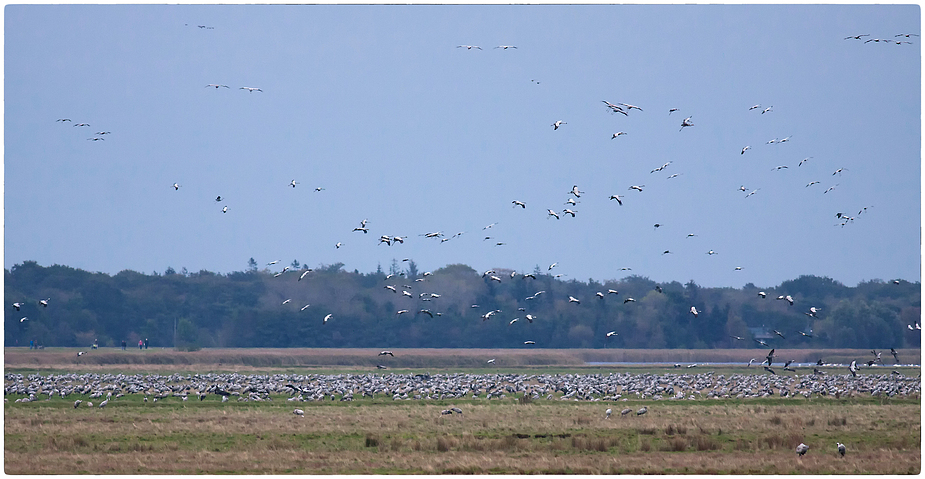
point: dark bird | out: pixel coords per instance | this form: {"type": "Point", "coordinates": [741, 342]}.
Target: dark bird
{"type": "Point", "coordinates": [895, 356]}
{"type": "Point", "coordinates": [779, 334]}
{"type": "Point", "coordinates": [858, 37]}
{"type": "Point", "coordinates": [770, 370]}
{"type": "Point", "coordinates": [841, 448]}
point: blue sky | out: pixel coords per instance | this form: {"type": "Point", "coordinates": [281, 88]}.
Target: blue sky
{"type": "Point", "coordinates": [378, 106]}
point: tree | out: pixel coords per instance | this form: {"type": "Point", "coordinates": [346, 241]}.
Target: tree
{"type": "Point", "coordinates": [412, 268]}
{"type": "Point", "coordinates": [295, 264]}
{"type": "Point", "coordinates": [251, 266]}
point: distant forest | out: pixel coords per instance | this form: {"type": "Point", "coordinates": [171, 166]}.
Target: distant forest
{"type": "Point", "coordinates": [276, 308]}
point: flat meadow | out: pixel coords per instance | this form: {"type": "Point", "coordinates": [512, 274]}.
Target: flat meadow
{"type": "Point", "coordinates": [511, 435]}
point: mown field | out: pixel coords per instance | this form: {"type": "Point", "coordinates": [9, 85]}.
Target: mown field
{"type": "Point", "coordinates": [498, 436]}
{"type": "Point", "coordinates": [505, 436]}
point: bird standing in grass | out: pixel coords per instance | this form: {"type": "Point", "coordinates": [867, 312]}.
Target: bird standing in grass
{"type": "Point", "coordinates": [802, 448]}
{"type": "Point", "coordinates": [841, 449]}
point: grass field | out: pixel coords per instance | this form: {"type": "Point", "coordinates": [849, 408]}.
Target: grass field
{"type": "Point", "coordinates": [382, 436]}
{"type": "Point", "coordinates": [163, 359]}
{"type": "Point", "coordinates": [504, 436]}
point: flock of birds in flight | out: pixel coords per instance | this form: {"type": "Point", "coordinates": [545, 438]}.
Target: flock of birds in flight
{"type": "Point", "coordinates": [614, 108]}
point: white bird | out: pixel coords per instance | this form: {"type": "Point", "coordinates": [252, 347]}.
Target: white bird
{"type": "Point", "coordinates": [305, 307]}
{"type": "Point", "coordinates": [743, 150]}
{"type": "Point", "coordinates": [326, 318]}
{"type": "Point", "coordinates": [551, 213]}
{"type": "Point", "coordinates": [686, 122]}
{"type": "Point", "coordinates": [250, 89]}
{"type": "Point", "coordinates": [599, 294]}
{"type": "Point", "coordinates": [293, 183]}
{"type": "Point", "coordinates": [607, 413]}
{"type": "Point", "coordinates": [802, 448]}
{"type": "Point", "coordinates": [811, 183]}
{"type": "Point", "coordinates": [77, 403]}
{"type": "Point", "coordinates": [841, 448]}
{"type": "Point", "coordinates": [767, 109]}
{"type": "Point", "coordinates": [224, 209]}
{"type": "Point", "coordinates": [572, 299]}
{"type": "Point", "coordinates": [619, 133]}
{"type": "Point", "coordinates": [779, 168]}
{"type": "Point", "coordinates": [628, 300]}
{"type": "Point", "coordinates": [694, 311]}
{"type": "Point", "coordinates": [81, 353]}
{"type": "Point", "coordinates": [642, 411]}
{"type": "Point", "coordinates": [298, 412]}
{"type": "Point", "coordinates": [575, 191]}
{"type": "Point", "coordinates": [530, 318]}
{"type": "Point", "coordinates": [216, 85]}
{"type": "Point", "coordinates": [529, 342]}
{"type": "Point", "coordinates": [612, 333]}
{"type": "Point", "coordinates": [104, 403]}
{"type": "Point", "coordinates": [853, 368]}
{"type": "Point", "coordinates": [44, 302]}
{"type": "Point", "coordinates": [711, 252]}
{"type": "Point", "coordinates": [630, 107]}
{"type": "Point", "coordinates": [804, 160]}
{"type": "Point", "coordinates": [762, 294]}
{"type": "Point", "coordinates": [753, 107]}
{"type": "Point", "coordinates": [617, 197]}
{"type": "Point", "coordinates": [612, 291]}
{"type": "Point", "coordinates": [491, 361]}
{"type": "Point", "coordinates": [569, 212]}
{"type": "Point", "coordinates": [637, 187]}
{"type": "Point", "coordinates": [505, 47]}
{"type": "Point", "coordinates": [338, 245]}
{"type": "Point", "coordinates": [557, 124]}
{"type": "Point", "coordinates": [520, 204]}
{"type": "Point", "coordinates": [737, 268]}
{"type": "Point", "coordinates": [752, 192]}
{"type": "Point", "coordinates": [176, 186]}
{"type": "Point", "coordinates": [23, 319]}
{"type": "Point", "coordinates": [286, 301]}
{"type": "Point", "coordinates": [830, 189]}
{"type": "Point", "coordinates": [469, 47]}
{"type": "Point", "coordinates": [386, 353]}
{"type": "Point", "coordinates": [513, 321]}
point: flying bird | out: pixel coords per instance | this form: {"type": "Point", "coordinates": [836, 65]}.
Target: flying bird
{"type": "Point", "coordinates": [326, 318]}
{"type": "Point", "coordinates": [520, 204]}
{"type": "Point", "coordinates": [250, 89]}
{"type": "Point", "coordinates": [619, 133]}
{"type": "Point", "coordinates": [694, 311]}
{"type": "Point", "coordinates": [617, 197]}
{"type": "Point", "coordinates": [505, 47]}
{"type": "Point", "coordinates": [858, 37]}
{"type": "Point", "coordinates": [551, 213]}
{"type": "Point", "coordinates": [469, 47]}
{"type": "Point", "coordinates": [383, 353]}
{"type": "Point", "coordinates": [686, 122]}
{"type": "Point", "coordinates": [216, 85]}
{"type": "Point", "coordinates": [612, 333]}
{"type": "Point", "coordinates": [557, 124]}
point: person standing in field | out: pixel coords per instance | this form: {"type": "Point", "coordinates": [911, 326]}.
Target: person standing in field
{"type": "Point", "coordinates": [123, 345]}
{"type": "Point", "coordinates": [139, 344]}
{"type": "Point", "coordinates": [146, 343]}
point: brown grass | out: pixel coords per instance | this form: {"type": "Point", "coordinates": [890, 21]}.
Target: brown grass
{"type": "Point", "coordinates": [247, 359]}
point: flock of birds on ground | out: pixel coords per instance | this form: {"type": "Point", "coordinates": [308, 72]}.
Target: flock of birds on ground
{"type": "Point", "coordinates": [614, 387]}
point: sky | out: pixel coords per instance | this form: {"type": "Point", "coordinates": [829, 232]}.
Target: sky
{"type": "Point", "coordinates": [381, 108]}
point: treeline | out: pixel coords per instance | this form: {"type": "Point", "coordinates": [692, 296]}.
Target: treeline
{"type": "Point", "coordinates": [263, 308]}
